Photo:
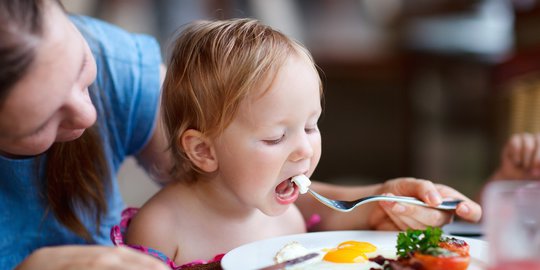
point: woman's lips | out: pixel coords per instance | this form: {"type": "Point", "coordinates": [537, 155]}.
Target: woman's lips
{"type": "Point", "coordinates": [286, 192]}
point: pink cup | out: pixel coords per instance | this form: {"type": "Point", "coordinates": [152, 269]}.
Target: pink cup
{"type": "Point", "coordinates": [512, 224]}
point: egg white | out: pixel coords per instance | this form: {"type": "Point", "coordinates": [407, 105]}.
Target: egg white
{"type": "Point", "coordinates": [318, 263]}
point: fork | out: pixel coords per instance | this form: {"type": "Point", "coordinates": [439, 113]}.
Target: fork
{"type": "Point", "coordinates": [346, 206]}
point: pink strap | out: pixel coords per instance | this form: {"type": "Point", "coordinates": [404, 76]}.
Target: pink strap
{"type": "Point", "coordinates": [117, 237]}
{"type": "Point", "coordinates": [312, 221]}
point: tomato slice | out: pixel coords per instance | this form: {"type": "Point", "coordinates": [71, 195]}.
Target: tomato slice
{"type": "Point", "coordinates": [455, 245]}
{"type": "Point", "coordinates": [430, 262]}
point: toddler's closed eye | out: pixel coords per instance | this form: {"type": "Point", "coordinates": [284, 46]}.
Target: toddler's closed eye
{"type": "Point", "coordinates": [311, 129]}
{"type": "Point", "coordinates": [274, 141]}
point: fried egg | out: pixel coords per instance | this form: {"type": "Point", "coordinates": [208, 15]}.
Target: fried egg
{"type": "Point", "coordinates": [346, 255]}
{"type": "Point", "coordinates": [350, 252]}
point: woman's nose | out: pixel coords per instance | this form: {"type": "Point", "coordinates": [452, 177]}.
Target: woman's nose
{"type": "Point", "coordinates": [80, 111]}
{"type": "Point", "coordinates": [303, 149]}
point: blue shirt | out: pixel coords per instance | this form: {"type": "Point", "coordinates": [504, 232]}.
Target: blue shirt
{"type": "Point", "coordinates": [127, 101]}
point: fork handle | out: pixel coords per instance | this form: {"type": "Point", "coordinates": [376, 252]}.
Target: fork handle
{"type": "Point", "coordinates": [445, 205]}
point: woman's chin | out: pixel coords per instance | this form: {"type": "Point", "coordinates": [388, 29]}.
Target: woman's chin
{"type": "Point", "coordinates": [70, 135]}
{"type": "Point", "coordinates": [25, 151]}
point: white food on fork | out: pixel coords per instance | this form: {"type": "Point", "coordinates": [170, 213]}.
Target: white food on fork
{"type": "Point", "coordinates": [302, 182]}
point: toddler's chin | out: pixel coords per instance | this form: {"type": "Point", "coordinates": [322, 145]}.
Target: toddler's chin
{"type": "Point", "coordinates": [275, 210]}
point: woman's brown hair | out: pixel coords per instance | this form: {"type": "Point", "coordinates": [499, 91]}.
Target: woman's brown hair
{"type": "Point", "coordinates": [76, 172]}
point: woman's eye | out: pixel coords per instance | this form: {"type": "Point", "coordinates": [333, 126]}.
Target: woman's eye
{"type": "Point", "coordinates": [273, 142]}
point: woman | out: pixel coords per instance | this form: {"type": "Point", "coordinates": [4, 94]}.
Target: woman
{"type": "Point", "coordinates": [76, 97]}
{"type": "Point", "coordinates": [46, 68]}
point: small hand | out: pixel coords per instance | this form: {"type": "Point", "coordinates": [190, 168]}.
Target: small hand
{"type": "Point", "coordinates": [90, 257]}
{"type": "Point", "coordinates": [398, 216]}
{"type": "Point", "coordinates": [520, 158]}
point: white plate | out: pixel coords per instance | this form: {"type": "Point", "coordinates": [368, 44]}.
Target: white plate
{"type": "Point", "coordinates": [261, 253]}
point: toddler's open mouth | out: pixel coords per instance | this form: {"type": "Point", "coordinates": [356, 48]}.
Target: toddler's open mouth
{"type": "Point", "coordinates": [285, 189]}
{"type": "Point", "coordinates": [287, 192]}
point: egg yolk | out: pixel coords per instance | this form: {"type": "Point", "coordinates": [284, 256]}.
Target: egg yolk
{"type": "Point", "coordinates": [364, 247]}
{"type": "Point", "coordinates": [349, 252]}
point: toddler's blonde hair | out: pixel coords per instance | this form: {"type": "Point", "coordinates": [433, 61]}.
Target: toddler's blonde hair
{"type": "Point", "coordinates": [214, 66]}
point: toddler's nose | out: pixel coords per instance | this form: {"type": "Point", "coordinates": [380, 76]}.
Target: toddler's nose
{"type": "Point", "coordinates": [303, 150]}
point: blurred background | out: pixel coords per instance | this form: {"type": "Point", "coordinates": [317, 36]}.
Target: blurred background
{"type": "Point", "coordinates": [423, 88]}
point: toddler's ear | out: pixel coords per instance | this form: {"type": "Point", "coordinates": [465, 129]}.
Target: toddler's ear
{"type": "Point", "coordinates": [199, 150]}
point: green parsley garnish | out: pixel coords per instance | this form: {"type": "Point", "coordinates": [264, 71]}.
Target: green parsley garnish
{"type": "Point", "coordinates": [424, 241]}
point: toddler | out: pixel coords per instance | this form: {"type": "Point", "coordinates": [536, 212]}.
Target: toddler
{"type": "Point", "coordinates": [240, 106]}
